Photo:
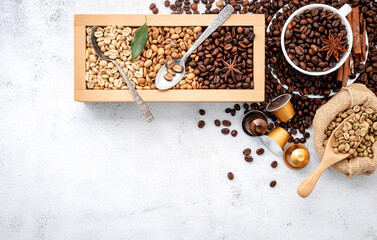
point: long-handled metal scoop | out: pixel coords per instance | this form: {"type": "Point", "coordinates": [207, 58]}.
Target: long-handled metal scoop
{"type": "Point", "coordinates": [161, 82]}
{"type": "Point", "coordinates": [144, 109]}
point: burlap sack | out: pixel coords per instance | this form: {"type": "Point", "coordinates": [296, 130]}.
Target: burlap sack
{"type": "Point", "coordinates": [356, 94]}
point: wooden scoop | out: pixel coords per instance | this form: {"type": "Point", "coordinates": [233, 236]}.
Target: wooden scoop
{"type": "Point", "coordinates": [329, 158]}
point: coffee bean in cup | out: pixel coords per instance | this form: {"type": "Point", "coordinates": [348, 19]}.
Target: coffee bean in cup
{"type": "Point", "coordinates": [316, 40]}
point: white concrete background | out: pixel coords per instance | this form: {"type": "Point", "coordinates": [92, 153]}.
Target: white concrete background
{"type": "Point", "coordinates": [71, 170]}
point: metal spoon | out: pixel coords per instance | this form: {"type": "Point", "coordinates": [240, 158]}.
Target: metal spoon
{"type": "Point", "coordinates": [161, 82]}
{"type": "Point", "coordinates": [144, 109]}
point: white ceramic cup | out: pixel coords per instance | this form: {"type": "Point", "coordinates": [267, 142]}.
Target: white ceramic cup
{"type": "Point", "coordinates": [342, 12]}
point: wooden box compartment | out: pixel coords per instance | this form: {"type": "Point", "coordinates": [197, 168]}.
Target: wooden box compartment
{"type": "Point", "coordinates": [82, 94]}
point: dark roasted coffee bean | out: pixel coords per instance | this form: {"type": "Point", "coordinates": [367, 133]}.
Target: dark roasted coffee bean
{"type": "Point", "coordinates": [155, 10]}
{"type": "Point", "coordinates": [273, 183]}
{"type": "Point", "coordinates": [237, 107]}
{"type": "Point", "coordinates": [274, 164]}
{"type": "Point", "coordinates": [293, 131]}
{"type": "Point", "coordinates": [248, 158]}
{"type": "Point", "coordinates": [296, 141]}
{"type": "Point", "coordinates": [246, 151]}
{"type": "Point", "coordinates": [306, 135]}
{"type": "Point", "coordinates": [246, 106]}
{"type": "Point", "coordinates": [225, 131]}
{"type": "Point", "coordinates": [228, 110]}
{"type": "Point", "coordinates": [234, 133]}
{"type": "Point", "coordinates": [233, 112]}
{"type": "Point", "coordinates": [201, 124]}
{"type": "Point", "coordinates": [227, 123]}
{"type": "Point", "coordinates": [260, 151]}
{"type": "Point", "coordinates": [202, 112]}
{"type": "Point", "coordinates": [270, 126]}
{"type": "Point", "coordinates": [152, 6]}
{"type": "Point", "coordinates": [217, 123]}
{"type": "Point", "coordinates": [230, 176]}
{"type": "Point", "coordinates": [302, 140]}
{"type": "Point", "coordinates": [167, 3]}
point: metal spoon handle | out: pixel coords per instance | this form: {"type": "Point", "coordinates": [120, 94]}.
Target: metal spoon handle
{"type": "Point", "coordinates": [216, 23]}
{"type": "Point", "coordinates": [144, 109]}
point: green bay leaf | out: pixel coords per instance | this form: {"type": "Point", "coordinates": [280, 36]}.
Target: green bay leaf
{"type": "Point", "coordinates": [139, 41]}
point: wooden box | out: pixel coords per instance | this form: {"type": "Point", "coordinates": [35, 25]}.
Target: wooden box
{"type": "Point", "coordinates": [81, 93]}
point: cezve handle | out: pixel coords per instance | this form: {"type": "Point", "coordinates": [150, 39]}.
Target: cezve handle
{"type": "Point", "coordinates": [307, 186]}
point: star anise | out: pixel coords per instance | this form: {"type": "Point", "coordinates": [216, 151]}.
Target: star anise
{"type": "Point", "coordinates": [231, 68]}
{"type": "Point", "coordinates": [332, 46]}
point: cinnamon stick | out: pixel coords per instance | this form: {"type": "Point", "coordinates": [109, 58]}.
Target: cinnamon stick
{"type": "Point", "coordinates": [363, 38]}
{"type": "Point", "coordinates": [339, 74]}
{"type": "Point", "coordinates": [346, 72]}
{"type": "Point", "coordinates": [356, 30]}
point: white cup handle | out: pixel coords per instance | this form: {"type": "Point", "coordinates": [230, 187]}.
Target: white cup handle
{"type": "Point", "coordinates": [345, 10]}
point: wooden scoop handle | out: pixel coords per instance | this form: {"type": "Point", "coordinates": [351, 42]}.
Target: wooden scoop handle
{"type": "Point", "coordinates": [307, 186]}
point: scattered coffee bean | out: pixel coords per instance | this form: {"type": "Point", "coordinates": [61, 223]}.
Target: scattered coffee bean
{"type": "Point", "coordinates": [273, 183]}
{"type": "Point", "coordinates": [228, 110]}
{"type": "Point", "coordinates": [227, 123]}
{"type": "Point", "coordinates": [274, 164]}
{"type": "Point", "coordinates": [152, 6]}
{"type": "Point", "coordinates": [248, 158]}
{"type": "Point", "coordinates": [260, 151]}
{"type": "Point", "coordinates": [293, 131]}
{"type": "Point", "coordinates": [202, 112]}
{"type": "Point", "coordinates": [233, 112]}
{"type": "Point", "coordinates": [302, 140]}
{"type": "Point", "coordinates": [246, 151]}
{"type": "Point", "coordinates": [306, 135]}
{"type": "Point", "coordinates": [230, 175]}
{"type": "Point", "coordinates": [217, 123]}
{"type": "Point", "coordinates": [246, 106]}
{"type": "Point", "coordinates": [234, 133]}
{"type": "Point", "coordinates": [225, 131]}
{"type": "Point", "coordinates": [167, 3]}
{"type": "Point", "coordinates": [201, 124]}
{"type": "Point", "coordinates": [237, 107]}
{"type": "Point", "coordinates": [155, 10]}
{"type": "Point", "coordinates": [270, 126]}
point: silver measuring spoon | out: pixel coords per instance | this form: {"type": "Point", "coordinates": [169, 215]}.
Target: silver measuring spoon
{"type": "Point", "coordinates": [161, 82]}
{"type": "Point", "coordinates": [144, 109]}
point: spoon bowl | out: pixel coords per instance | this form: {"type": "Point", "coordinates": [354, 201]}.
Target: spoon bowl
{"type": "Point", "coordinates": [95, 46]}
{"type": "Point", "coordinates": [162, 83]}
